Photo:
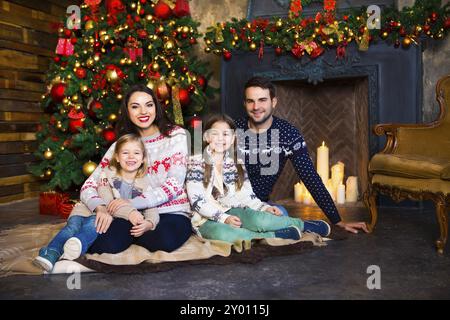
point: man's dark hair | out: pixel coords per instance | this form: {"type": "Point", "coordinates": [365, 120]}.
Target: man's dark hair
{"type": "Point", "coordinates": [262, 83]}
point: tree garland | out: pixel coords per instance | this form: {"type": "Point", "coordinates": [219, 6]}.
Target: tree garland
{"type": "Point", "coordinates": [310, 36]}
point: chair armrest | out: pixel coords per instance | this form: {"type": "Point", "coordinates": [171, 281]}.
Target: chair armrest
{"type": "Point", "coordinates": [391, 130]}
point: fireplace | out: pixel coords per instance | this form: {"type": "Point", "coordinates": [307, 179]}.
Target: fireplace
{"type": "Point", "coordinates": [381, 85]}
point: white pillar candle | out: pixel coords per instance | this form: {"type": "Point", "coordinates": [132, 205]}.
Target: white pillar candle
{"type": "Point", "coordinates": [298, 192]}
{"type": "Point", "coordinates": [323, 162]}
{"type": "Point", "coordinates": [331, 189]}
{"type": "Point", "coordinates": [341, 194]}
{"type": "Point", "coordinates": [352, 189]}
{"type": "Point", "coordinates": [337, 174]}
{"type": "Point", "coordinates": [307, 198]}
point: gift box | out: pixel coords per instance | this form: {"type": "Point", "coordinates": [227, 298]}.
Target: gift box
{"type": "Point", "coordinates": [55, 204]}
{"type": "Point", "coordinates": [64, 47]}
{"type": "Point", "coordinates": [134, 53]}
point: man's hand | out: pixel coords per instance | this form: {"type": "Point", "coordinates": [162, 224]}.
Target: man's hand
{"type": "Point", "coordinates": [275, 211]}
{"type": "Point", "coordinates": [233, 221]}
{"type": "Point", "coordinates": [114, 205]}
{"type": "Point", "coordinates": [102, 219]}
{"type": "Point", "coordinates": [142, 227]}
{"type": "Point", "coordinates": [353, 226]}
{"type": "Point", "coordinates": [135, 217]}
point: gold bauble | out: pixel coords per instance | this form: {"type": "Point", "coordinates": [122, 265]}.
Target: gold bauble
{"type": "Point", "coordinates": [149, 17]}
{"type": "Point", "coordinates": [112, 117]}
{"type": "Point", "coordinates": [91, 40]}
{"type": "Point", "coordinates": [155, 66]}
{"type": "Point", "coordinates": [253, 46]}
{"type": "Point", "coordinates": [48, 173]}
{"type": "Point", "coordinates": [84, 89]}
{"type": "Point", "coordinates": [185, 29]}
{"type": "Point", "coordinates": [75, 98]}
{"type": "Point", "coordinates": [88, 168]}
{"type": "Point", "coordinates": [233, 43]}
{"type": "Point", "coordinates": [69, 76]}
{"type": "Point", "coordinates": [48, 154]}
{"type": "Point", "coordinates": [59, 125]}
{"type": "Point", "coordinates": [236, 38]}
{"type": "Point", "coordinates": [112, 76]}
{"type": "Point", "coordinates": [133, 6]}
{"type": "Point", "coordinates": [77, 107]}
{"type": "Point", "coordinates": [296, 36]}
{"type": "Point", "coordinates": [160, 29]}
{"type": "Point", "coordinates": [418, 28]}
{"type": "Point", "coordinates": [151, 85]}
{"type": "Point", "coordinates": [104, 38]}
{"type": "Point", "coordinates": [97, 58]}
{"type": "Point", "coordinates": [119, 97]}
{"type": "Point", "coordinates": [90, 63]}
{"type": "Point", "coordinates": [77, 64]}
{"type": "Point", "coordinates": [406, 42]}
{"type": "Point", "coordinates": [62, 112]}
{"type": "Point", "coordinates": [179, 29]}
{"type": "Point", "coordinates": [279, 23]}
{"type": "Point", "coordinates": [169, 45]}
{"type": "Point", "coordinates": [173, 73]}
{"type": "Point", "coordinates": [123, 61]}
{"type": "Point", "coordinates": [208, 41]}
{"type": "Point", "coordinates": [384, 35]}
{"type": "Point", "coordinates": [330, 41]}
{"type": "Point", "coordinates": [207, 49]}
{"type": "Point", "coordinates": [65, 102]}
{"type": "Point", "coordinates": [89, 25]}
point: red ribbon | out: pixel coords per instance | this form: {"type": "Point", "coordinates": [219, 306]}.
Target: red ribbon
{"type": "Point", "coordinates": [261, 49]}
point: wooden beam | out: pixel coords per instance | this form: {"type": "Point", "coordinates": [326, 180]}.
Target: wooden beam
{"type": "Point", "coordinates": [22, 85]}
{"type": "Point", "coordinates": [8, 181]}
{"type": "Point", "coordinates": [18, 116]}
{"type": "Point", "coordinates": [21, 136]}
{"type": "Point", "coordinates": [9, 94]}
{"type": "Point", "coordinates": [19, 188]}
{"type": "Point", "coordinates": [18, 60]}
{"type": "Point", "coordinates": [18, 126]}
{"type": "Point", "coordinates": [20, 196]}
{"type": "Point", "coordinates": [22, 75]}
{"type": "Point", "coordinates": [20, 106]}
{"type": "Point", "coordinates": [17, 158]}
{"type": "Point", "coordinates": [18, 147]}
{"type": "Point", "coordinates": [8, 44]}
{"type": "Point", "coordinates": [11, 170]}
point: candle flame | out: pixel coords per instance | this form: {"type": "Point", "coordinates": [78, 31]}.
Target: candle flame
{"type": "Point", "coordinates": [323, 143]}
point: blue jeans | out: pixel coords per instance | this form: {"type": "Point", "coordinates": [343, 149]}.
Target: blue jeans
{"type": "Point", "coordinates": [82, 228]}
{"type": "Point", "coordinates": [279, 206]}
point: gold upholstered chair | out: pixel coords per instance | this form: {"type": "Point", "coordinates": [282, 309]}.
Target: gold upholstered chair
{"type": "Point", "coordinates": [415, 163]}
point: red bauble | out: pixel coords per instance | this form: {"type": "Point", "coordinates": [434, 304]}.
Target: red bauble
{"type": "Point", "coordinates": [426, 28]}
{"type": "Point", "coordinates": [191, 88]}
{"type": "Point", "coordinates": [93, 107]}
{"type": "Point", "coordinates": [183, 96]}
{"type": "Point", "coordinates": [80, 73]}
{"type": "Point", "coordinates": [278, 51]}
{"type": "Point", "coordinates": [192, 41]}
{"type": "Point", "coordinates": [162, 10]}
{"type": "Point", "coordinates": [227, 55]}
{"type": "Point", "coordinates": [109, 135]}
{"type": "Point", "coordinates": [142, 75]}
{"type": "Point", "coordinates": [402, 31]}
{"type": "Point", "coordinates": [397, 43]}
{"type": "Point", "coordinates": [184, 69]}
{"type": "Point", "coordinates": [181, 8]}
{"type": "Point", "coordinates": [58, 92]}
{"type": "Point", "coordinates": [447, 23]}
{"type": "Point", "coordinates": [75, 125]}
{"type": "Point", "coordinates": [57, 59]}
{"type": "Point", "coordinates": [434, 16]}
{"type": "Point", "coordinates": [201, 80]}
{"type": "Point", "coordinates": [97, 46]}
{"type": "Point", "coordinates": [74, 40]}
{"type": "Point", "coordinates": [195, 122]}
{"type": "Point", "coordinates": [67, 33]}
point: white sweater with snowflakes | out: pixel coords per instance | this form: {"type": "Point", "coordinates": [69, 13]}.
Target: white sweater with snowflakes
{"type": "Point", "coordinates": [166, 171]}
{"type": "Point", "coordinates": [221, 194]}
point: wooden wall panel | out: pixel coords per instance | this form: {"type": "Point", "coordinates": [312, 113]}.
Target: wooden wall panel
{"type": "Point", "coordinates": [27, 44]}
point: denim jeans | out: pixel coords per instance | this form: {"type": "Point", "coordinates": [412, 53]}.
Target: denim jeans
{"type": "Point", "coordinates": [255, 225]}
{"type": "Point", "coordinates": [80, 227]}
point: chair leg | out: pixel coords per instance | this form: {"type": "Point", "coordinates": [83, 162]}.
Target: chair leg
{"type": "Point", "coordinates": [441, 213]}
{"type": "Point", "coordinates": [370, 197]}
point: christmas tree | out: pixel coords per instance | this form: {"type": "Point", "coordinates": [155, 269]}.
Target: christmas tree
{"type": "Point", "coordinates": [103, 50]}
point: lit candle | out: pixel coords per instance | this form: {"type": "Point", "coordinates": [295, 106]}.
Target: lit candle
{"type": "Point", "coordinates": [323, 162]}
{"type": "Point", "coordinates": [341, 194]}
{"type": "Point", "coordinates": [337, 174]}
{"type": "Point", "coordinates": [352, 189]}
{"type": "Point", "coordinates": [298, 192]}
{"type": "Point", "coordinates": [331, 189]}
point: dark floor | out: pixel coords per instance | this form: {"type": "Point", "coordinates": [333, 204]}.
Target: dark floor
{"type": "Point", "coordinates": [402, 247]}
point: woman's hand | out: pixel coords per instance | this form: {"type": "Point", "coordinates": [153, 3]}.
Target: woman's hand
{"type": "Point", "coordinates": [142, 227]}
{"type": "Point", "coordinates": [275, 211]}
{"type": "Point", "coordinates": [102, 220]}
{"type": "Point", "coordinates": [114, 205]}
{"type": "Point", "coordinates": [135, 217]}
{"type": "Point", "coordinates": [233, 221]}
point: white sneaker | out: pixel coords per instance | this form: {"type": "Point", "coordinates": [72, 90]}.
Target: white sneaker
{"type": "Point", "coordinates": [72, 249]}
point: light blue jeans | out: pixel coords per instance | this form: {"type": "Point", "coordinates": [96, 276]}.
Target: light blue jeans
{"type": "Point", "coordinates": [82, 228]}
{"type": "Point", "coordinates": [279, 206]}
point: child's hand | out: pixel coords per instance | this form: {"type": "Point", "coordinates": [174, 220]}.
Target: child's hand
{"type": "Point", "coordinates": [142, 227]}
{"type": "Point", "coordinates": [135, 217]}
{"type": "Point", "coordinates": [114, 205]}
{"type": "Point", "coordinates": [102, 221]}
{"type": "Point", "coordinates": [233, 221]}
{"type": "Point", "coordinates": [275, 211]}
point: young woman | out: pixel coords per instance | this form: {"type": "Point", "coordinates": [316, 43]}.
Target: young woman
{"type": "Point", "coordinates": [166, 146]}
{"type": "Point", "coordinates": [222, 197]}
{"type": "Point", "coordinates": [124, 178]}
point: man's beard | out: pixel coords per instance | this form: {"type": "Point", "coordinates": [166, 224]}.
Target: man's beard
{"type": "Point", "coordinates": [263, 120]}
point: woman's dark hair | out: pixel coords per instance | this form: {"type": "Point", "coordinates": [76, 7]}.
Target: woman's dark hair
{"type": "Point", "coordinates": [124, 124]}
{"type": "Point", "coordinates": [209, 122]}
{"type": "Point", "coordinates": [261, 82]}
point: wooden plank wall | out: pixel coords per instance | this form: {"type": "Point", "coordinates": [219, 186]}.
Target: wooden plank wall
{"type": "Point", "coordinates": [27, 45]}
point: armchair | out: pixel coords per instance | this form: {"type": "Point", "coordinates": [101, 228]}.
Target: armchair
{"type": "Point", "coordinates": [415, 164]}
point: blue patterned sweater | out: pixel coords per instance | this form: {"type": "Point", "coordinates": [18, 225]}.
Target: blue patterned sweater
{"type": "Point", "coordinates": [266, 154]}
